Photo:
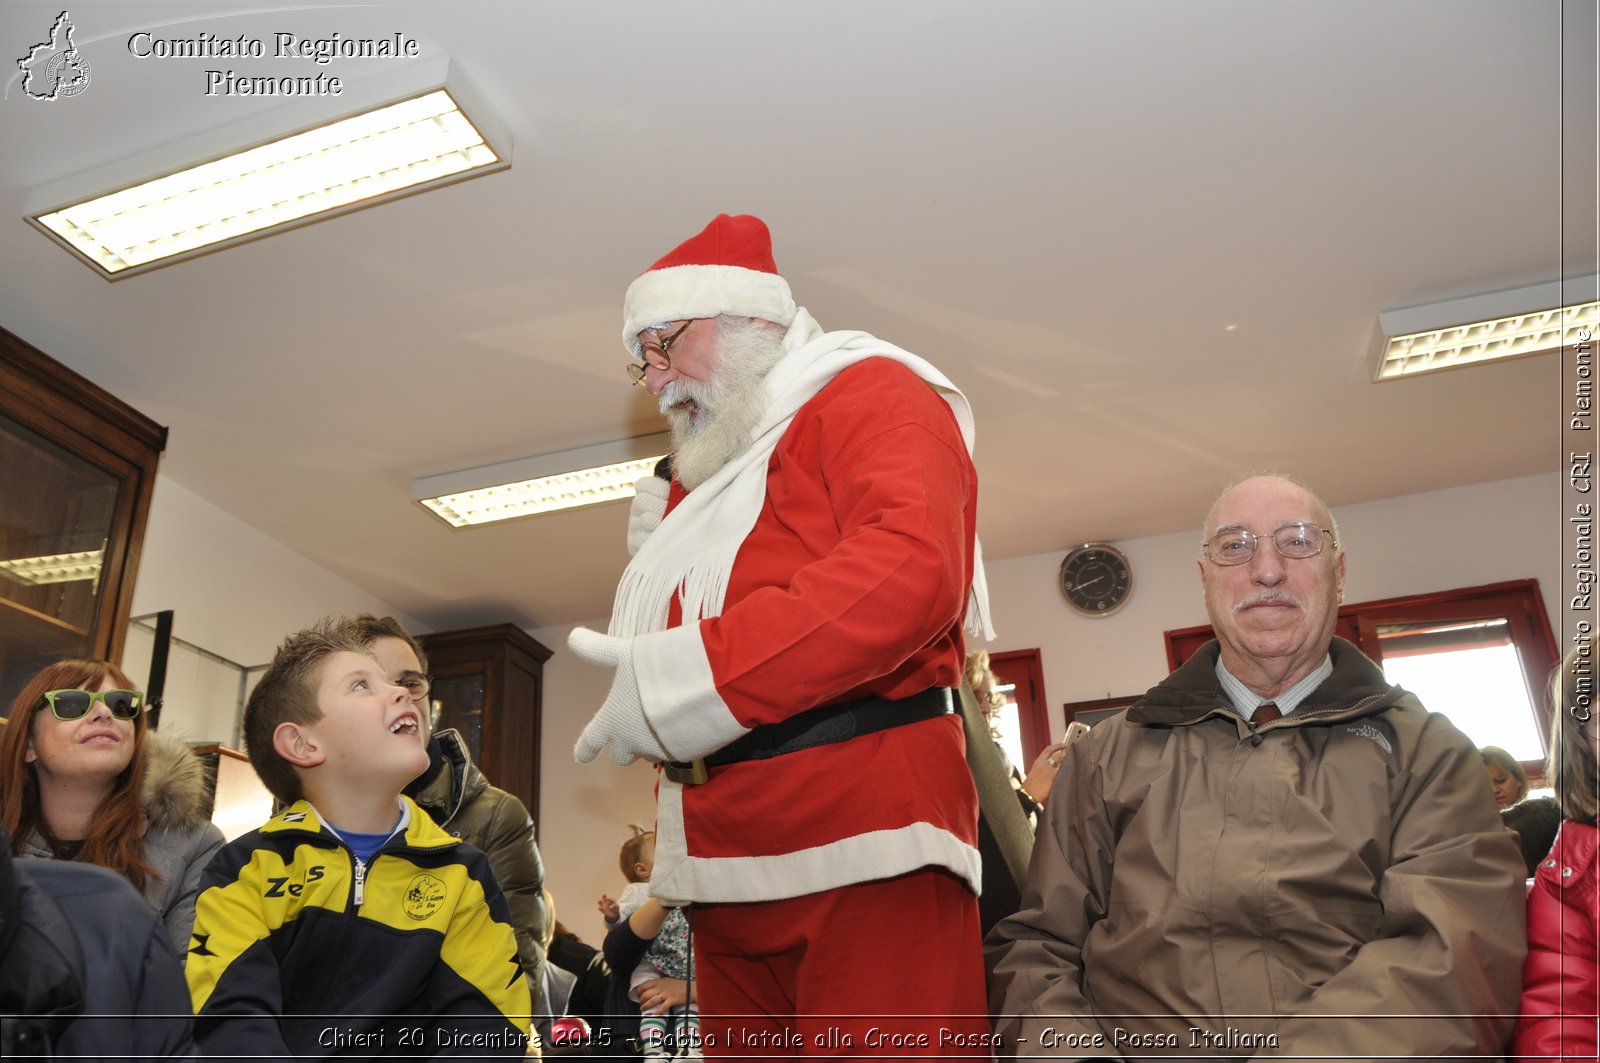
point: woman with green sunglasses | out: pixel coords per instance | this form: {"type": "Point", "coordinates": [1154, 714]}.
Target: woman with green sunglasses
{"type": "Point", "coordinates": [82, 777]}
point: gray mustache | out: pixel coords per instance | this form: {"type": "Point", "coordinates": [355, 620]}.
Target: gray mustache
{"type": "Point", "coordinates": [1260, 597]}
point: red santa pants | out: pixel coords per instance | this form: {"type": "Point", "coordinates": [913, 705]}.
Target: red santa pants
{"type": "Point", "coordinates": [881, 968]}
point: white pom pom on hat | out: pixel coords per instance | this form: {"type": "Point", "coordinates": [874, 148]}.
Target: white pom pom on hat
{"type": "Point", "coordinates": [726, 268]}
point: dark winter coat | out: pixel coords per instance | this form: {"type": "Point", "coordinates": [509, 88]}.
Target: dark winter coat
{"type": "Point", "coordinates": [459, 798]}
{"type": "Point", "coordinates": [86, 970]}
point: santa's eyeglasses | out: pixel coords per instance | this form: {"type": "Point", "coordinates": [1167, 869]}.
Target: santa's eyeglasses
{"type": "Point", "coordinates": [655, 354]}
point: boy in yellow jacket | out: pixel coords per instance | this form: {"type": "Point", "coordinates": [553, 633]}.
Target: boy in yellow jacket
{"type": "Point", "coordinates": [349, 923]}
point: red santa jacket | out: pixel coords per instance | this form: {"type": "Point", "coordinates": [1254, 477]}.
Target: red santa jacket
{"type": "Point", "coordinates": [1561, 978]}
{"type": "Point", "coordinates": [853, 582]}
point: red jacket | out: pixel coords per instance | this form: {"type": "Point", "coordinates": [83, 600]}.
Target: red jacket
{"type": "Point", "coordinates": [1561, 979]}
{"type": "Point", "coordinates": [853, 581]}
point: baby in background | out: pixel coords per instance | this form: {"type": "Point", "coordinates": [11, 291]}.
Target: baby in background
{"type": "Point", "coordinates": [677, 1031]}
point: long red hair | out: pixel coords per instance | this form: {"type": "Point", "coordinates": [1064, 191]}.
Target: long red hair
{"type": "Point", "coordinates": [116, 832]}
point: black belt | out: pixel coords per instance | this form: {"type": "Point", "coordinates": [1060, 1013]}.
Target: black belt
{"type": "Point", "coordinates": [818, 727]}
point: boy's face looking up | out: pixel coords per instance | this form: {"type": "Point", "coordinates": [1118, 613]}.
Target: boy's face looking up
{"type": "Point", "coordinates": [370, 732]}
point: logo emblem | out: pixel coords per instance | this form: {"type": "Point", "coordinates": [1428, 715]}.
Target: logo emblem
{"type": "Point", "coordinates": [56, 68]}
{"type": "Point", "coordinates": [424, 896]}
{"type": "Point", "coordinates": [1366, 730]}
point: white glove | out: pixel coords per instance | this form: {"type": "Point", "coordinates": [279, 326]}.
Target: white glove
{"type": "Point", "coordinates": [621, 720]}
{"type": "Point", "coordinates": [649, 506]}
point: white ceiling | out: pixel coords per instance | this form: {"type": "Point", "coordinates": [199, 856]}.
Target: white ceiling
{"type": "Point", "coordinates": [1150, 240]}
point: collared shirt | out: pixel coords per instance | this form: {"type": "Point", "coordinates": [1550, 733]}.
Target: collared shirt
{"type": "Point", "coordinates": [1247, 701]}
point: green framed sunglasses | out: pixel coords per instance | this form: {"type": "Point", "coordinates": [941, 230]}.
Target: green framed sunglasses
{"type": "Point", "coordinates": [75, 704]}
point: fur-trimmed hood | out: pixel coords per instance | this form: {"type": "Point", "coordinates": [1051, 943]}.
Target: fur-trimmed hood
{"type": "Point", "coordinates": [174, 783]}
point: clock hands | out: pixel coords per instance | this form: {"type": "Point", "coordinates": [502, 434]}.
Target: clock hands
{"type": "Point", "coordinates": [1095, 579]}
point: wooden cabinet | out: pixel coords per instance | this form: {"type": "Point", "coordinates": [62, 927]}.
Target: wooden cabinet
{"type": "Point", "coordinates": [77, 468]}
{"type": "Point", "coordinates": [488, 683]}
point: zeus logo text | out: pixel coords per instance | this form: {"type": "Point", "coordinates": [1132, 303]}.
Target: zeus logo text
{"type": "Point", "coordinates": [279, 887]}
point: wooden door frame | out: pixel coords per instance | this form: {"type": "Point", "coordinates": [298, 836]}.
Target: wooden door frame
{"type": "Point", "coordinates": [1025, 669]}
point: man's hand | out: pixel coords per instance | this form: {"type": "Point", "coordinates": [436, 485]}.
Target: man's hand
{"type": "Point", "coordinates": [649, 506]}
{"type": "Point", "coordinates": [621, 721]}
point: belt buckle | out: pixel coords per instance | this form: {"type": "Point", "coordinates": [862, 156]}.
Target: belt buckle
{"type": "Point", "coordinates": [691, 774]}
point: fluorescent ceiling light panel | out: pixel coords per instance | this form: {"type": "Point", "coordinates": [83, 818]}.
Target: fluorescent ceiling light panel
{"type": "Point", "coordinates": [55, 568]}
{"type": "Point", "coordinates": [566, 480]}
{"type": "Point", "coordinates": [1514, 324]}
{"type": "Point", "coordinates": [392, 150]}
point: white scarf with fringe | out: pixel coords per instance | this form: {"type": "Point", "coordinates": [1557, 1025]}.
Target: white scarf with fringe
{"type": "Point", "coordinates": [690, 554]}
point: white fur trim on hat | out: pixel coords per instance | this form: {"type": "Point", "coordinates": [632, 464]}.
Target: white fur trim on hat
{"type": "Point", "coordinates": [682, 293]}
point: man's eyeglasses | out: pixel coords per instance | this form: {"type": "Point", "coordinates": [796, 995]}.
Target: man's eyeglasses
{"type": "Point", "coordinates": [75, 704]}
{"type": "Point", "coordinates": [1235, 546]}
{"type": "Point", "coordinates": [655, 354]}
{"type": "Point", "coordinates": [417, 684]}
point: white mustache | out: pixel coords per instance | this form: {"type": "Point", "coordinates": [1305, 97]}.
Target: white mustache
{"type": "Point", "coordinates": [682, 391]}
{"type": "Point", "coordinates": [1260, 597]}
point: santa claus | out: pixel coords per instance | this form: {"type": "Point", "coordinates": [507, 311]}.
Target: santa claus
{"type": "Point", "coordinates": [786, 640]}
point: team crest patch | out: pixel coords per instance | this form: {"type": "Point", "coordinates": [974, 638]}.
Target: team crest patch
{"type": "Point", "coordinates": [1366, 730]}
{"type": "Point", "coordinates": [424, 896]}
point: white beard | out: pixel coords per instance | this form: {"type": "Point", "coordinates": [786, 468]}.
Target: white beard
{"type": "Point", "coordinates": [730, 402]}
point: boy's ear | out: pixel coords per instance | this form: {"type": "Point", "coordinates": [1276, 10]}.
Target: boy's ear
{"type": "Point", "coordinates": [297, 745]}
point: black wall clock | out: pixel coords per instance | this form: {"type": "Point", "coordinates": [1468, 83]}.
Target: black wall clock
{"type": "Point", "coordinates": [1096, 579]}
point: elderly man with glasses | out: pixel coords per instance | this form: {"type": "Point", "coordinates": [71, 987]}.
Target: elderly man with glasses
{"type": "Point", "coordinates": [785, 643]}
{"type": "Point", "coordinates": [1275, 851]}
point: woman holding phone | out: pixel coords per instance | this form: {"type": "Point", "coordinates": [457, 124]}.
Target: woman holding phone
{"type": "Point", "coordinates": [83, 778]}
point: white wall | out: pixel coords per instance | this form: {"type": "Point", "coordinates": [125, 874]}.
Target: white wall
{"type": "Point", "coordinates": [233, 591]}
{"type": "Point", "coordinates": [202, 696]}
{"type": "Point", "coordinates": [1460, 537]}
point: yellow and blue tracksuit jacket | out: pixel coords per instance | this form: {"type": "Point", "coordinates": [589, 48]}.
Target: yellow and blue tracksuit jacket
{"type": "Point", "coordinates": [300, 951]}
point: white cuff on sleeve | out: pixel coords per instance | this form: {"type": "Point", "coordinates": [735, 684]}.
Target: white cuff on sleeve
{"type": "Point", "coordinates": [680, 694]}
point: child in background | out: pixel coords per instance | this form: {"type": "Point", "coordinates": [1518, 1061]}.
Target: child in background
{"type": "Point", "coordinates": [350, 923]}
{"type": "Point", "coordinates": [1562, 975]}
{"type": "Point", "coordinates": [676, 1031]}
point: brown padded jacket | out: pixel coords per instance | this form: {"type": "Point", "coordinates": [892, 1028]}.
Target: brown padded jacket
{"type": "Point", "coordinates": [461, 800]}
{"type": "Point", "coordinates": [1338, 884]}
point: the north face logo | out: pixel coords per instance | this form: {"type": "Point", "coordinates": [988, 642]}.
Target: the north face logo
{"type": "Point", "coordinates": [1366, 730]}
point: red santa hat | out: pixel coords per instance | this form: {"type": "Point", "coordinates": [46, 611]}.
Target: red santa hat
{"type": "Point", "coordinates": [725, 269]}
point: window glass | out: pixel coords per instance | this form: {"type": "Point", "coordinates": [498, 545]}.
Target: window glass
{"type": "Point", "coordinates": [1470, 672]}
